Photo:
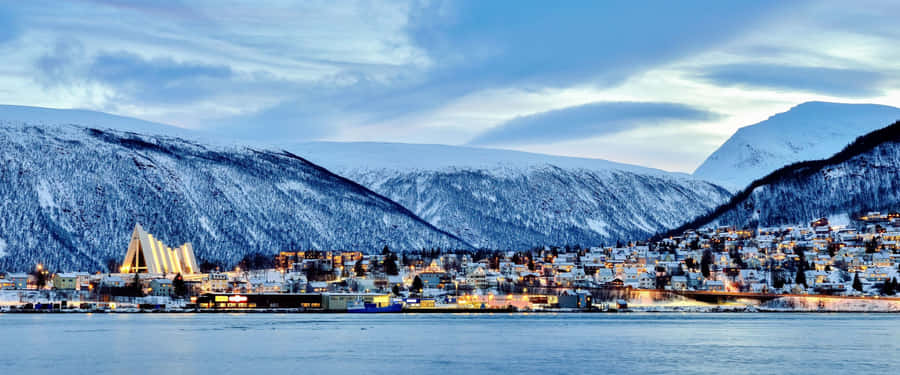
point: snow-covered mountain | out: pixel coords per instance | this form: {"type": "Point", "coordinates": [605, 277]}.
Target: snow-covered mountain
{"type": "Point", "coordinates": [862, 177]}
{"type": "Point", "coordinates": [510, 199]}
{"type": "Point", "coordinates": [70, 195]}
{"type": "Point", "coordinates": [809, 131]}
{"type": "Point", "coordinates": [51, 117]}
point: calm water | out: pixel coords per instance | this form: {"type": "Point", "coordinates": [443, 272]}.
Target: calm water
{"type": "Point", "coordinates": [450, 344]}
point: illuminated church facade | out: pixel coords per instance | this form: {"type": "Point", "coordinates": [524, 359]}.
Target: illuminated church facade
{"type": "Point", "coordinates": [147, 254]}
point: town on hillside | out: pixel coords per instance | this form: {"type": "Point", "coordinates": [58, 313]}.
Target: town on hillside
{"type": "Point", "coordinates": [857, 258]}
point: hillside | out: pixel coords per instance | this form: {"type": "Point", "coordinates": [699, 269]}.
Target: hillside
{"type": "Point", "coordinates": [71, 195]}
{"type": "Point", "coordinates": [809, 131]}
{"type": "Point", "coordinates": [508, 199]}
{"type": "Point", "coordinates": [864, 176]}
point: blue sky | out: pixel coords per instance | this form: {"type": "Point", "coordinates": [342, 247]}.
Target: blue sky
{"type": "Point", "coordinates": [657, 83]}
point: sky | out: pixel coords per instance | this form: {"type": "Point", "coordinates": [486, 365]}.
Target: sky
{"type": "Point", "coordinates": [656, 83]}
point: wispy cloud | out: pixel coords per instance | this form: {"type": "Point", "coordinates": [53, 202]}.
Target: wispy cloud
{"type": "Point", "coordinates": [833, 81]}
{"type": "Point", "coordinates": [589, 120]}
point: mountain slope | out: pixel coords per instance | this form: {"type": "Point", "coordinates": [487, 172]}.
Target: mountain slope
{"type": "Point", "coordinates": [71, 195]}
{"type": "Point", "coordinates": [863, 176]}
{"type": "Point", "coordinates": [509, 199]}
{"type": "Point", "coordinates": [809, 131]}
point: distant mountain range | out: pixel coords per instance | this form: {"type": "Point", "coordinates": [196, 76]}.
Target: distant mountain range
{"type": "Point", "coordinates": [512, 200]}
{"type": "Point", "coordinates": [864, 176]}
{"type": "Point", "coordinates": [70, 195]}
{"type": "Point", "coordinates": [72, 185]}
{"type": "Point", "coordinates": [809, 131]}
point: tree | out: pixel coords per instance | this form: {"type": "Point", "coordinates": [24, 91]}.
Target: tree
{"type": "Point", "coordinates": [180, 288]}
{"type": "Point", "coordinates": [856, 283]}
{"type": "Point", "coordinates": [358, 269]}
{"type": "Point", "coordinates": [801, 275]}
{"type": "Point", "coordinates": [778, 281]}
{"type": "Point", "coordinates": [137, 290]}
{"type": "Point", "coordinates": [395, 290]}
{"type": "Point", "coordinates": [705, 262]}
{"type": "Point", "coordinates": [889, 287]}
{"type": "Point", "coordinates": [40, 276]}
{"type": "Point", "coordinates": [385, 251]}
{"type": "Point", "coordinates": [112, 265]}
{"type": "Point", "coordinates": [871, 246]}
{"type": "Point", "coordinates": [390, 265]}
{"type": "Point", "coordinates": [417, 285]}
{"type": "Point", "coordinates": [530, 264]}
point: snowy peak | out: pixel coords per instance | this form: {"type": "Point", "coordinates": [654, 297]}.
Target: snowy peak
{"type": "Point", "coordinates": [15, 114]}
{"type": "Point", "coordinates": [809, 131]}
{"type": "Point", "coordinates": [353, 157]}
{"type": "Point", "coordinates": [860, 177]}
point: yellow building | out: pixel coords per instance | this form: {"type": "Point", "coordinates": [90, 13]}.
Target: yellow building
{"type": "Point", "coordinates": [150, 255]}
{"type": "Point", "coordinates": [65, 281]}
{"type": "Point", "coordinates": [339, 301]}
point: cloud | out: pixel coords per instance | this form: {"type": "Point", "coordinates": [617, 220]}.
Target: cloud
{"type": "Point", "coordinates": [134, 78]}
{"type": "Point", "coordinates": [159, 79]}
{"type": "Point", "coordinates": [570, 42]}
{"type": "Point", "coordinates": [589, 120]}
{"type": "Point", "coordinates": [10, 27]}
{"type": "Point", "coordinates": [821, 80]}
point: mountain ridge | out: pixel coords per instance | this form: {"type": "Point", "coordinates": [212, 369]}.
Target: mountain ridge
{"type": "Point", "coordinates": [884, 143]}
{"type": "Point", "coordinates": [808, 131]}
{"type": "Point", "coordinates": [72, 194]}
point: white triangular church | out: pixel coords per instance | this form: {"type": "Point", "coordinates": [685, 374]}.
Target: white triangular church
{"type": "Point", "coordinates": [150, 255]}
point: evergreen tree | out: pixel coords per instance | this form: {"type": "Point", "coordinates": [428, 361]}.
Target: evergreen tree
{"type": "Point", "coordinates": [705, 261]}
{"type": "Point", "coordinates": [778, 281]}
{"type": "Point", "coordinates": [40, 277]}
{"type": "Point", "coordinates": [137, 289]}
{"type": "Point", "coordinates": [417, 285]}
{"type": "Point", "coordinates": [179, 286]}
{"type": "Point", "coordinates": [531, 264]}
{"type": "Point", "coordinates": [889, 287]}
{"type": "Point", "coordinates": [358, 268]}
{"type": "Point", "coordinates": [856, 283]}
{"type": "Point", "coordinates": [801, 275]}
{"type": "Point", "coordinates": [390, 265]}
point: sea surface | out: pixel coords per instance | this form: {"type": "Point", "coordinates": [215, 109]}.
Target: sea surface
{"type": "Point", "coordinates": [636, 343]}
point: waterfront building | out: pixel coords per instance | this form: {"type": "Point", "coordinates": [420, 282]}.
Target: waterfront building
{"type": "Point", "coordinates": [339, 301]}
{"type": "Point", "coordinates": [245, 301]}
{"type": "Point", "coordinates": [17, 280]}
{"type": "Point", "coordinates": [150, 255]}
{"type": "Point", "coordinates": [215, 282]}
{"type": "Point", "coordinates": [161, 287]}
{"type": "Point", "coordinates": [65, 281]}
{"type": "Point", "coordinates": [112, 281]}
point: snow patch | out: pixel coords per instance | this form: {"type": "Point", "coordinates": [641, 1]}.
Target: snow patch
{"type": "Point", "coordinates": [598, 226]}
{"type": "Point", "coordinates": [839, 220]}
{"type": "Point", "coordinates": [204, 222]}
{"type": "Point", "coordinates": [45, 198]}
{"type": "Point", "coordinates": [3, 252]}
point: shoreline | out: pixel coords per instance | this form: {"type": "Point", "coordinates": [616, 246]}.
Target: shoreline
{"type": "Point", "coordinates": [711, 310]}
